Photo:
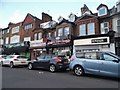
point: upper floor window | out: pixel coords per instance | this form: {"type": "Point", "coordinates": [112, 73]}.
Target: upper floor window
{"type": "Point", "coordinates": [49, 35]}
{"type": "Point", "coordinates": [66, 31]}
{"type": "Point", "coordinates": [27, 39]}
{"type": "Point", "coordinates": [39, 36]}
{"type": "Point", "coordinates": [60, 32]}
{"type": "Point", "coordinates": [15, 39]}
{"type": "Point", "coordinates": [91, 28]}
{"type": "Point", "coordinates": [118, 25]}
{"type": "Point", "coordinates": [7, 40]}
{"type": "Point", "coordinates": [35, 36]}
{"type": "Point", "coordinates": [8, 30]}
{"type": "Point", "coordinates": [28, 26]}
{"type": "Point", "coordinates": [15, 29]}
{"type": "Point", "coordinates": [104, 27]}
{"type": "Point", "coordinates": [54, 34]}
{"type": "Point", "coordinates": [102, 11]}
{"type": "Point", "coordinates": [82, 30]}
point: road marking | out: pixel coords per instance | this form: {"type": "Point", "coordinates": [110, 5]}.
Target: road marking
{"type": "Point", "coordinates": [40, 72]}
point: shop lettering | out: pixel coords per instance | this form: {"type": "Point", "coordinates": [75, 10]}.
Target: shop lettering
{"type": "Point", "coordinates": [99, 40]}
{"type": "Point", "coordinates": [59, 42]}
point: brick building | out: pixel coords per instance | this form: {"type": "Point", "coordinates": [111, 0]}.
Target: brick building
{"type": "Point", "coordinates": [94, 30]}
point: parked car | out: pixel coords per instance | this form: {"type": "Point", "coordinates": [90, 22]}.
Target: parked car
{"type": "Point", "coordinates": [2, 57]}
{"type": "Point", "coordinates": [99, 63]}
{"type": "Point", "coordinates": [15, 60]}
{"type": "Point", "coordinates": [49, 62]}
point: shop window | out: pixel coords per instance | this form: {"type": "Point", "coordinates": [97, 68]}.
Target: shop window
{"type": "Point", "coordinates": [104, 27]}
{"type": "Point", "coordinates": [60, 32]}
{"type": "Point", "coordinates": [91, 28]}
{"type": "Point", "coordinates": [66, 31]}
{"type": "Point", "coordinates": [82, 30]}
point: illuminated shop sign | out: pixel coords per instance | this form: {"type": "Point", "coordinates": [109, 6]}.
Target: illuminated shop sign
{"type": "Point", "coordinates": [59, 42]}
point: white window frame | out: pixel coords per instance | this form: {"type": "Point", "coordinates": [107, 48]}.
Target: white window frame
{"type": "Point", "coordinates": [82, 27]}
{"type": "Point", "coordinates": [91, 30]}
{"type": "Point", "coordinates": [101, 9]}
{"type": "Point", "coordinates": [102, 27]}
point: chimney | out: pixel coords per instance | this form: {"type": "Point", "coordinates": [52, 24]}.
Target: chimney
{"type": "Point", "coordinates": [46, 17]}
{"type": "Point", "coordinates": [84, 9]}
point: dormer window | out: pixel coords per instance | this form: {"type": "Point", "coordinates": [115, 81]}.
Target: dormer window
{"type": "Point", "coordinates": [102, 11]}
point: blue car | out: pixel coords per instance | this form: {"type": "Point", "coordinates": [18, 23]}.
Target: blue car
{"type": "Point", "coordinates": [98, 63]}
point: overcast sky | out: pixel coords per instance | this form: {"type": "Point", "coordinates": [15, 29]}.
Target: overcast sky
{"type": "Point", "coordinates": [16, 11]}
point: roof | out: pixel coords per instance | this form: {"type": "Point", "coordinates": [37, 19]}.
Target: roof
{"type": "Point", "coordinates": [101, 6]}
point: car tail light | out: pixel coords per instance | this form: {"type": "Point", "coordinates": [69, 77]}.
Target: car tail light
{"type": "Point", "coordinates": [15, 59]}
{"type": "Point", "coordinates": [58, 60]}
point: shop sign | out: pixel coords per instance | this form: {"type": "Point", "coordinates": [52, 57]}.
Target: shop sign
{"type": "Point", "coordinates": [103, 40]}
{"type": "Point", "coordinates": [91, 41]}
{"type": "Point", "coordinates": [14, 45]}
{"type": "Point", "coordinates": [59, 42]}
{"type": "Point", "coordinates": [37, 43]}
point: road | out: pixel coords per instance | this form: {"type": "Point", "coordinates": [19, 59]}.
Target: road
{"type": "Point", "coordinates": [21, 77]}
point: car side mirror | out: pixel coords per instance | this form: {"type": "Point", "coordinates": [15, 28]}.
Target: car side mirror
{"type": "Point", "coordinates": [117, 61]}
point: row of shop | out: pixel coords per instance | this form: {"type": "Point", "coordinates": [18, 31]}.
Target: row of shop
{"type": "Point", "coordinates": [32, 49]}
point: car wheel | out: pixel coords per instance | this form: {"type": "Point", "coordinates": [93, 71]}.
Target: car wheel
{"type": "Point", "coordinates": [11, 65]}
{"type": "Point", "coordinates": [52, 68]}
{"type": "Point", "coordinates": [78, 70]}
{"type": "Point", "coordinates": [30, 66]}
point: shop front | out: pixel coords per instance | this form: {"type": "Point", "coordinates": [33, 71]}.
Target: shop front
{"type": "Point", "coordinates": [37, 48]}
{"type": "Point", "coordinates": [60, 47]}
{"type": "Point", "coordinates": [94, 44]}
{"type": "Point", "coordinates": [17, 48]}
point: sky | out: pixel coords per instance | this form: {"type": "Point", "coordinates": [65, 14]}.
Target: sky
{"type": "Point", "coordinates": [16, 10]}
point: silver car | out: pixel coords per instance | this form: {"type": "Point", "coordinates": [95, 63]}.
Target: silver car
{"type": "Point", "coordinates": [99, 63]}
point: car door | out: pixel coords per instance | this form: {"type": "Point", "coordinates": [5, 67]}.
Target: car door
{"type": "Point", "coordinates": [91, 63]}
{"type": "Point", "coordinates": [38, 62]}
{"type": "Point", "coordinates": [109, 65]}
{"type": "Point", "coordinates": [45, 62]}
{"type": "Point", "coordinates": [7, 60]}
